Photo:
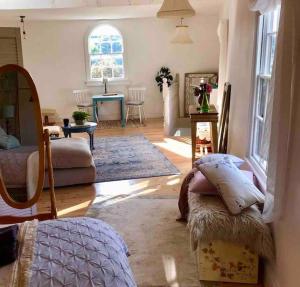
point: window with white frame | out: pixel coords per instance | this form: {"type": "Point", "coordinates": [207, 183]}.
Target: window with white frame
{"type": "Point", "coordinates": [267, 38]}
{"type": "Point", "coordinates": [105, 54]}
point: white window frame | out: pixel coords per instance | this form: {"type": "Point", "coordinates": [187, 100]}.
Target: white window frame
{"type": "Point", "coordinates": [258, 163]}
{"type": "Point", "coordinates": [94, 82]}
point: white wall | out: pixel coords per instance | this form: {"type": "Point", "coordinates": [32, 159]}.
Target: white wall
{"type": "Point", "coordinates": [54, 55]}
{"type": "Point", "coordinates": [240, 71]}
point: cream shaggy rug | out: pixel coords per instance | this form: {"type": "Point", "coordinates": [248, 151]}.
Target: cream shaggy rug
{"type": "Point", "coordinates": [159, 246]}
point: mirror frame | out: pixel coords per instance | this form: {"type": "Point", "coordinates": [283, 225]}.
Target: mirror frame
{"type": "Point", "coordinates": [41, 143]}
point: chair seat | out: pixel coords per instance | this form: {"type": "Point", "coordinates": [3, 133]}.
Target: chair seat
{"type": "Point", "coordinates": [85, 105]}
{"type": "Point", "coordinates": [134, 103]}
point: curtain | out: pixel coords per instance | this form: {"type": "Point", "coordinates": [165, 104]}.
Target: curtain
{"type": "Point", "coordinates": [283, 165]}
{"type": "Point", "coordinates": [263, 6]}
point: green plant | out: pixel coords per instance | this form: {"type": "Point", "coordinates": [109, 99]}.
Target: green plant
{"type": "Point", "coordinates": [80, 116]}
{"type": "Point", "coordinates": [164, 73]}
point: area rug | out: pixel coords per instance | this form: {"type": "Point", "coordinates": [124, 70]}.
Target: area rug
{"type": "Point", "coordinates": [116, 124]}
{"type": "Point", "coordinates": [129, 157]}
{"type": "Point", "coordinates": [159, 246]}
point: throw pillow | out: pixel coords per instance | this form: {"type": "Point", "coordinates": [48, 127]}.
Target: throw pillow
{"type": "Point", "coordinates": [236, 190]}
{"type": "Point", "coordinates": [9, 142]}
{"type": "Point", "coordinates": [219, 156]}
{"type": "Point", "coordinates": [200, 184]}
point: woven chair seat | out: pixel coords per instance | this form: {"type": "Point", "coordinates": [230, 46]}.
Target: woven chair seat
{"type": "Point", "coordinates": [134, 103]}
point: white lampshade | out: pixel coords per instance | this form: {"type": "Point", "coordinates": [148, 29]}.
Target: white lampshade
{"type": "Point", "coordinates": [182, 35]}
{"type": "Point", "coordinates": [177, 8]}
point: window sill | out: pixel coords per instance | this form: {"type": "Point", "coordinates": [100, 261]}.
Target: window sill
{"type": "Point", "coordinates": [258, 172]}
{"type": "Point", "coordinates": [95, 83]}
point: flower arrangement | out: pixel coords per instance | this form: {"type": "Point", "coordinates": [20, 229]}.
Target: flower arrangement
{"type": "Point", "coordinates": [203, 93]}
{"type": "Point", "coordinates": [164, 73]}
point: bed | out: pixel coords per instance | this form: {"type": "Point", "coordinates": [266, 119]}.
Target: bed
{"type": "Point", "coordinates": [69, 252]}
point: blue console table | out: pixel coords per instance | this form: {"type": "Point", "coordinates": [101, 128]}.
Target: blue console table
{"type": "Point", "coordinates": [109, 98]}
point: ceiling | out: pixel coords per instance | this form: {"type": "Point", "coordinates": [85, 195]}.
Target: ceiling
{"type": "Point", "coordinates": [93, 9]}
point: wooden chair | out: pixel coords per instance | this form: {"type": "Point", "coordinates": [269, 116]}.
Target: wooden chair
{"type": "Point", "coordinates": [84, 102]}
{"type": "Point", "coordinates": [135, 102]}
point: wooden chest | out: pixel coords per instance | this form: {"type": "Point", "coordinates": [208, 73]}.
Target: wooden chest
{"type": "Point", "coordinates": [226, 262]}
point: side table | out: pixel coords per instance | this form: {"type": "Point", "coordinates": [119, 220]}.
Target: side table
{"type": "Point", "coordinates": [211, 117]}
{"type": "Point", "coordinates": [88, 127]}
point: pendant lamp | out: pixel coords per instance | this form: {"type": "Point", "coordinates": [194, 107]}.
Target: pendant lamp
{"type": "Point", "coordinates": [176, 8]}
{"type": "Point", "coordinates": [182, 35]}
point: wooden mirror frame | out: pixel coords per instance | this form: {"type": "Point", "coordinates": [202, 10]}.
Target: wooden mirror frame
{"type": "Point", "coordinates": [43, 149]}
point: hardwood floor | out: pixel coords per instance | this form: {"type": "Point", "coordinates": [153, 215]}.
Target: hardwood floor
{"type": "Point", "coordinates": [75, 200]}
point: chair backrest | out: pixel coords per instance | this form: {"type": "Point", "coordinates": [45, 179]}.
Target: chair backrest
{"type": "Point", "coordinates": [81, 96]}
{"type": "Point", "coordinates": [136, 94]}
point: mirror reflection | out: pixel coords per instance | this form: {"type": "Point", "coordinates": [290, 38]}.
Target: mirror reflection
{"type": "Point", "coordinates": [19, 137]}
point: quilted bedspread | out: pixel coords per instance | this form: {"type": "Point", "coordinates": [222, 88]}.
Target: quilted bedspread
{"type": "Point", "coordinates": [79, 252]}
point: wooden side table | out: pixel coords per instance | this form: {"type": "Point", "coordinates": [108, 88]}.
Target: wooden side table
{"type": "Point", "coordinates": [198, 117]}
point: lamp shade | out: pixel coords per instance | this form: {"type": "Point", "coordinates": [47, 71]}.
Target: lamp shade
{"type": "Point", "coordinates": [176, 8]}
{"type": "Point", "coordinates": [182, 35]}
{"type": "Point", "coordinates": [8, 111]}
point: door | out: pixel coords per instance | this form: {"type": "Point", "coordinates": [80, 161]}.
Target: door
{"type": "Point", "coordinates": [10, 46]}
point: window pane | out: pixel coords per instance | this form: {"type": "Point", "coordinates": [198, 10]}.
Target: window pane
{"type": "Point", "coordinates": [94, 46]}
{"type": "Point", "coordinates": [118, 60]}
{"type": "Point", "coordinates": [105, 48]}
{"type": "Point", "coordinates": [117, 47]}
{"type": "Point", "coordinates": [116, 38]}
{"type": "Point", "coordinates": [107, 73]}
{"type": "Point", "coordinates": [107, 61]}
{"type": "Point", "coordinates": [263, 89]}
{"type": "Point", "coordinates": [118, 72]}
{"type": "Point", "coordinates": [259, 129]}
{"type": "Point", "coordinates": [272, 52]}
{"type": "Point", "coordinates": [96, 72]}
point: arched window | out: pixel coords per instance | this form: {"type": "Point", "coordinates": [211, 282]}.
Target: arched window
{"type": "Point", "coordinates": [105, 54]}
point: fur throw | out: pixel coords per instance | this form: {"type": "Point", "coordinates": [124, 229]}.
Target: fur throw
{"type": "Point", "coordinates": [209, 220]}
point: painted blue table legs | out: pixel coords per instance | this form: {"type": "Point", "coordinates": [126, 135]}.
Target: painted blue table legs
{"type": "Point", "coordinates": [101, 98]}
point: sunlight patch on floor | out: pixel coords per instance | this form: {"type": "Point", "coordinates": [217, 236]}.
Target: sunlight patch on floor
{"type": "Point", "coordinates": [177, 147]}
{"type": "Point", "coordinates": [170, 270]}
{"type": "Point", "coordinates": [74, 208]}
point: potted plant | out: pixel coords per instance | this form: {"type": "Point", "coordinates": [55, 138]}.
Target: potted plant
{"type": "Point", "coordinates": [203, 94]}
{"type": "Point", "coordinates": [164, 73]}
{"type": "Point", "coordinates": [80, 117]}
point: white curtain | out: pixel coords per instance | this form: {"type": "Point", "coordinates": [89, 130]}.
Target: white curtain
{"type": "Point", "coordinates": [285, 132]}
{"type": "Point", "coordinates": [263, 6]}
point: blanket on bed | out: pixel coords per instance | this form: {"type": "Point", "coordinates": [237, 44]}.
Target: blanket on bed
{"type": "Point", "coordinates": [71, 252]}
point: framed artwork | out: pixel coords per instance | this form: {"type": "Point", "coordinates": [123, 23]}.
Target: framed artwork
{"type": "Point", "coordinates": [192, 80]}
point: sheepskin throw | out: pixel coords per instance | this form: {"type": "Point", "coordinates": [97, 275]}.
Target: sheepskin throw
{"type": "Point", "coordinates": [210, 220]}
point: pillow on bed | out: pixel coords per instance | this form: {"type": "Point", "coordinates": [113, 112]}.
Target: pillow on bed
{"type": "Point", "coordinates": [200, 184]}
{"type": "Point", "coordinates": [9, 142]}
{"type": "Point", "coordinates": [219, 156]}
{"type": "Point", "coordinates": [237, 191]}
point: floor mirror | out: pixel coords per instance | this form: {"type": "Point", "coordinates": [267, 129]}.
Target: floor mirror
{"type": "Point", "coordinates": [25, 154]}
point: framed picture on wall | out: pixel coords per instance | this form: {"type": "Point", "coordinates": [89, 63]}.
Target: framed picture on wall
{"type": "Point", "coordinates": [192, 80]}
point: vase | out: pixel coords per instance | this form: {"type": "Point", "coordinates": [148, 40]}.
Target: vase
{"type": "Point", "coordinates": [205, 103]}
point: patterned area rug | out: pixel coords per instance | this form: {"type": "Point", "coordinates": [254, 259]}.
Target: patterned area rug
{"type": "Point", "coordinates": [130, 157]}
{"type": "Point", "coordinates": [116, 124]}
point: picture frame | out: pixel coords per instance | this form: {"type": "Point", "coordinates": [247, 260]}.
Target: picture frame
{"type": "Point", "coordinates": [191, 80]}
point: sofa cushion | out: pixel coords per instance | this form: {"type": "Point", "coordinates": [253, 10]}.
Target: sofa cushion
{"type": "Point", "coordinates": [237, 191]}
{"type": "Point", "coordinates": [71, 153]}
